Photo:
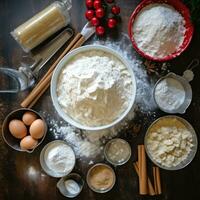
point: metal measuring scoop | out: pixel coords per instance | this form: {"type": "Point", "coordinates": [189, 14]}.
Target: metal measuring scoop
{"type": "Point", "coordinates": [187, 76]}
{"type": "Point", "coordinates": [27, 75]}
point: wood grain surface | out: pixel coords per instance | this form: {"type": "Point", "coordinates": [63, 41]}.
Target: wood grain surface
{"type": "Point", "coordinates": [21, 177]}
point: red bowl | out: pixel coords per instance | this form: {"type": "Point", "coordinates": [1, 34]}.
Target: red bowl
{"type": "Point", "coordinates": [180, 7]}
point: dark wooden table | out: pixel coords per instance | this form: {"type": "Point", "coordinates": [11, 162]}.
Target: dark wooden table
{"type": "Point", "coordinates": [21, 176]}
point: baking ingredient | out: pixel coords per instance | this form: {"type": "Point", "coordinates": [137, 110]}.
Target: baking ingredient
{"type": "Point", "coordinates": [59, 158]}
{"type": "Point", "coordinates": [100, 12]}
{"type": "Point", "coordinates": [94, 88]}
{"type": "Point", "coordinates": [169, 142]}
{"type": "Point", "coordinates": [28, 118]}
{"type": "Point", "coordinates": [101, 177]}
{"type": "Point", "coordinates": [37, 129]}
{"type": "Point", "coordinates": [89, 14]}
{"type": "Point", "coordinates": [142, 166]}
{"type": "Point", "coordinates": [156, 180]}
{"type": "Point", "coordinates": [112, 23]}
{"type": "Point", "coordinates": [28, 143]}
{"type": "Point", "coordinates": [100, 30]}
{"type": "Point", "coordinates": [72, 187]}
{"type": "Point", "coordinates": [95, 21]}
{"type": "Point", "coordinates": [17, 128]}
{"type": "Point", "coordinates": [42, 25]}
{"type": "Point", "coordinates": [89, 3]}
{"type": "Point", "coordinates": [151, 190]}
{"type": "Point", "coordinates": [97, 4]}
{"type": "Point", "coordinates": [158, 30]}
{"type": "Point", "coordinates": [169, 94]}
{"type": "Point", "coordinates": [115, 10]}
{"type": "Point", "coordinates": [88, 145]}
{"type": "Point", "coordinates": [117, 151]}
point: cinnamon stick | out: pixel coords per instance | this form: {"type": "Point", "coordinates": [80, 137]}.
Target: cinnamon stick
{"type": "Point", "coordinates": [142, 170]}
{"type": "Point", "coordinates": [41, 87]}
{"type": "Point", "coordinates": [150, 186]}
{"type": "Point", "coordinates": [154, 180]}
{"type": "Point", "coordinates": [157, 182]}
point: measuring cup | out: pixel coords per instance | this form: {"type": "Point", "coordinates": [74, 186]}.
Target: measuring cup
{"type": "Point", "coordinates": [188, 93]}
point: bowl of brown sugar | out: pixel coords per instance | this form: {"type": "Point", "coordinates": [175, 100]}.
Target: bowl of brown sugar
{"type": "Point", "coordinates": [101, 178]}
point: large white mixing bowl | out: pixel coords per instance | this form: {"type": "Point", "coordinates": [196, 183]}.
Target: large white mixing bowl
{"type": "Point", "coordinates": [56, 75]}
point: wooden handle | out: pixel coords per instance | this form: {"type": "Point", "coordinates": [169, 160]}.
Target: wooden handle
{"type": "Point", "coordinates": [79, 43]}
{"type": "Point", "coordinates": [47, 77]}
{"type": "Point", "coordinates": [38, 96]}
{"type": "Point", "coordinates": [69, 47]}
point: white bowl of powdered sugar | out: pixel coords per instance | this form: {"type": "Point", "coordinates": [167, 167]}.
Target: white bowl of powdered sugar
{"type": "Point", "coordinates": [93, 87]}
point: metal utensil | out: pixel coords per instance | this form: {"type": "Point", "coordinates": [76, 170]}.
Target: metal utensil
{"type": "Point", "coordinates": [61, 184]}
{"type": "Point", "coordinates": [27, 75]}
{"type": "Point", "coordinates": [187, 89]}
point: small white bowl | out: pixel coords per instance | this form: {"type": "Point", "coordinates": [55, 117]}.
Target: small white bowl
{"type": "Point", "coordinates": [58, 70]}
{"type": "Point", "coordinates": [46, 168]}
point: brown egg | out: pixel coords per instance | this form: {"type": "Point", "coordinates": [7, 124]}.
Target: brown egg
{"type": "Point", "coordinates": [28, 118]}
{"type": "Point", "coordinates": [17, 128]}
{"type": "Point", "coordinates": [28, 143]}
{"type": "Point", "coordinates": [37, 129]}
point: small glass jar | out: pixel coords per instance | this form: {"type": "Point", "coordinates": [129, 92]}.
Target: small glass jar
{"type": "Point", "coordinates": [44, 24]}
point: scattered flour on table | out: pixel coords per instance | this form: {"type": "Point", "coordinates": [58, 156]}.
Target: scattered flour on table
{"type": "Point", "coordinates": [89, 144]}
{"type": "Point", "coordinates": [159, 30]}
{"type": "Point", "coordinates": [86, 144]}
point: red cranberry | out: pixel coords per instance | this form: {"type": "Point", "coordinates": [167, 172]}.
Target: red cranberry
{"type": "Point", "coordinates": [89, 14]}
{"type": "Point", "coordinates": [89, 3]}
{"type": "Point", "coordinates": [97, 4]}
{"type": "Point", "coordinates": [100, 30]}
{"type": "Point", "coordinates": [100, 12]}
{"type": "Point", "coordinates": [95, 21]}
{"type": "Point", "coordinates": [115, 10]}
{"type": "Point", "coordinates": [112, 22]}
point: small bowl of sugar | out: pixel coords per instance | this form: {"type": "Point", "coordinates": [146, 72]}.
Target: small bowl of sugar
{"type": "Point", "coordinates": [57, 158]}
{"type": "Point", "coordinates": [172, 94]}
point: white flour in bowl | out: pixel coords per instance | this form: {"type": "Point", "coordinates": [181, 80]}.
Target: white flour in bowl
{"type": "Point", "coordinates": [94, 88]}
{"type": "Point", "coordinates": [159, 30]}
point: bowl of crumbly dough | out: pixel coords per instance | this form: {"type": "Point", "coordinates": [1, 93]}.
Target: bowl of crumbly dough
{"type": "Point", "coordinates": [171, 142]}
{"type": "Point", "coordinates": [93, 87]}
